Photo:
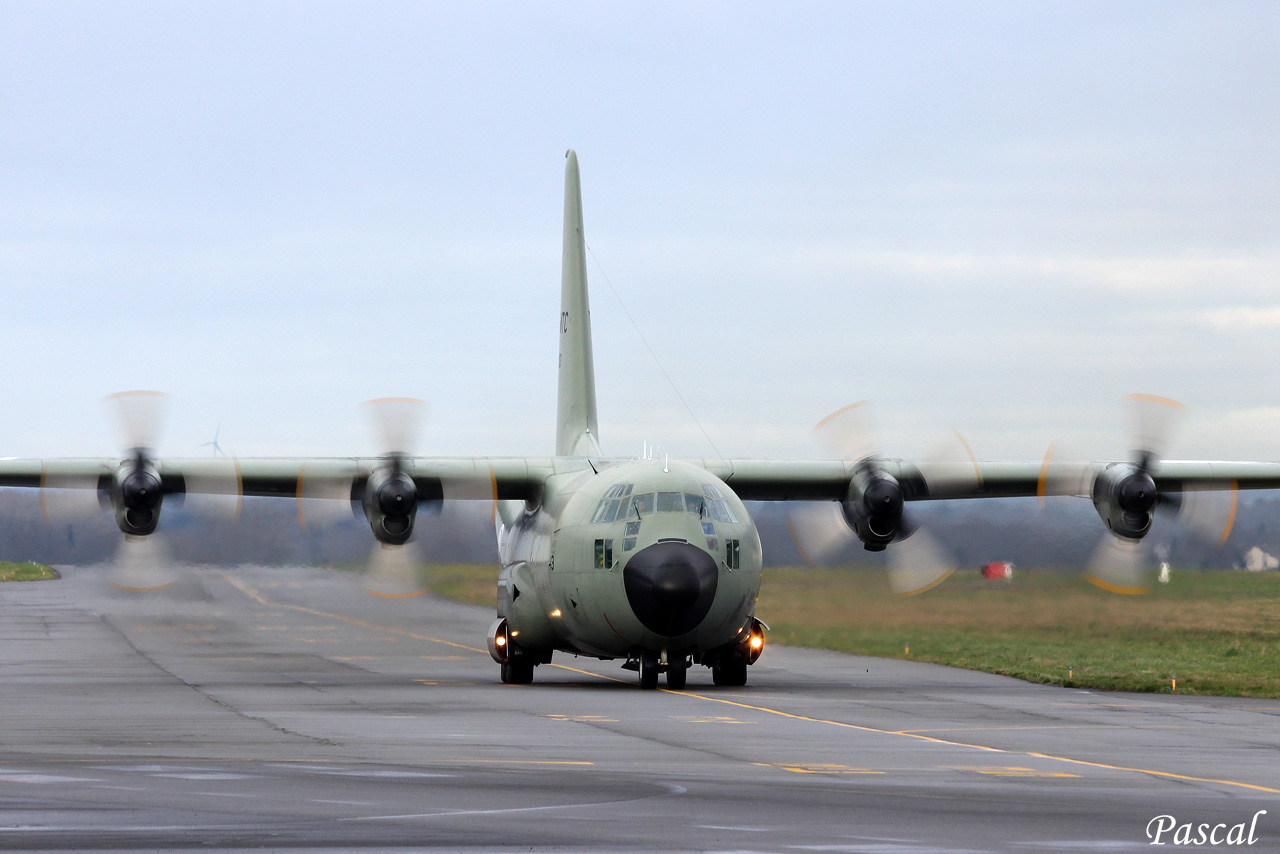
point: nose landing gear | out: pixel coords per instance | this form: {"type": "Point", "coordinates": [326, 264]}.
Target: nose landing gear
{"type": "Point", "coordinates": [649, 664]}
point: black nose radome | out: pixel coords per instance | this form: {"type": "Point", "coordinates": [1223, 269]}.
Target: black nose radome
{"type": "Point", "coordinates": [670, 586]}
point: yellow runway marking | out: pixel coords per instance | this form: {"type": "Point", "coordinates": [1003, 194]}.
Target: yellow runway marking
{"type": "Point", "coordinates": [581, 719]}
{"type": "Point", "coordinates": [258, 597]}
{"type": "Point", "coordinates": [696, 719]}
{"type": "Point", "coordinates": [1007, 771]}
{"type": "Point", "coordinates": [507, 762]}
{"type": "Point", "coordinates": [818, 769]}
{"type": "Point", "coordinates": [1050, 726]}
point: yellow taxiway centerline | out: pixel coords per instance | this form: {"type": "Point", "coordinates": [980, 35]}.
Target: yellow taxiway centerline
{"type": "Point", "coordinates": [258, 597]}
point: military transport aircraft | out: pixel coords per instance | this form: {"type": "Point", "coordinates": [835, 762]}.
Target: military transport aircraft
{"type": "Point", "coordinates": [650, 560]}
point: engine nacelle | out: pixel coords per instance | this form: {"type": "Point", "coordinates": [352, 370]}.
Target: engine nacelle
{"type": "Point", "coordinates": [390, 504]}
{"type": "Point", "coordinates": [136, 495]}
{"type": "Point", "coordinates": [1125, 497]}
{"type": "Point", "coordinates": [873, 507]}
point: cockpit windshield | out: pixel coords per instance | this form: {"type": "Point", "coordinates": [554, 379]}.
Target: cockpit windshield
{"type": "Point", "coordinates": [619, 504]}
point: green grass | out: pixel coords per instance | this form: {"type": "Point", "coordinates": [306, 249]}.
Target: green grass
{"type": "Point", "coordinates": [475, 585]}
{"type": "Point", "coordinates": [26, 571]}
{"type": "Point", "coordinates": [1218, 632]}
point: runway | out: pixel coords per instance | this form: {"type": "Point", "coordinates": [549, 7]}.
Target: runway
{"type": "Point", "coordinates": [286, 709]}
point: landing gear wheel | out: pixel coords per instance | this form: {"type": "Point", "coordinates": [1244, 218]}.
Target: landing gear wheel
{"type": "Point", "coordinates": [676, 675]}
{"type": "Point", "coordinates": [731, 673]}
{"type": "Point", "coordinates": [648, 671]}
{"type": "Point", "coordinates": [517, 673]}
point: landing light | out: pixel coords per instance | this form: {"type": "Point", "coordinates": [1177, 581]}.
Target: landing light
{"type": "Point", "coordinates": [500, 641]}
{"type": "Point", "coordinates": [756, 642]}
{"type": "Point", "coordinates": [556, 612]}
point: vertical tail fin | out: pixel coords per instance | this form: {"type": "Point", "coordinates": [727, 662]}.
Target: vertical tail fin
{"type": "Point", "coordinates": [576, 429]}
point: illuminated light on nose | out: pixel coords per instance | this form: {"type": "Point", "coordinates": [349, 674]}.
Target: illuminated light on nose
{"type": "Point", "coordinates": [556, 612]}
{"type": "Point", "coordinates": [757, 642]}
{"type": "Point", "coordinates": [500, 641]}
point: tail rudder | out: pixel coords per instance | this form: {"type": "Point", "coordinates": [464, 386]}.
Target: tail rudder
{"type": "Point", "coordinates": [576, 427]}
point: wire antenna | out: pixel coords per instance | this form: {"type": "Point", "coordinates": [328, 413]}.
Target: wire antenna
{"type": "Point", "coordinates": [654, 355]}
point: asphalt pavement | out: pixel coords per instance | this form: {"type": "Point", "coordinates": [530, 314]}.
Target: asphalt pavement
{"type": "Point", "coordinates": [287, 709]}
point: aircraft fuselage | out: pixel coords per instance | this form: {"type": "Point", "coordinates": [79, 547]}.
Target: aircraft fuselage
{"type": "Point", "coordinates": [640, 558]}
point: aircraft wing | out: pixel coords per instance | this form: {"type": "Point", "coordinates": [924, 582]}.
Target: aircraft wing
{"type": "Point", "coordinates": [828, 480]}
{"type": "Point", "coordinates": [522, 478]}
{"type": "Point", "coordinates": [451, 477]}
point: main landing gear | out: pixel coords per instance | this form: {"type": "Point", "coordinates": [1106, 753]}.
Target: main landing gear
{"type": "Point", "coordinates": [517, 663]}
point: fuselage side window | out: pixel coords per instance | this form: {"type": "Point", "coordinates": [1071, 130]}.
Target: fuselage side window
{"type": "Point", "coordinates": [604, 554]}
{"type": "Point", "coordinates": [733, 553]}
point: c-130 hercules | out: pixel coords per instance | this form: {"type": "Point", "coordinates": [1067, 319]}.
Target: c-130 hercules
{"type": "Point", "coordinates": [657, 561]}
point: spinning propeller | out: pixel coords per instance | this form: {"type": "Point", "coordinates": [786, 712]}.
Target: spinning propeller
{"type": "Point", "coordinates": [874, 509]}
{"type": "Point", "coordinates": [389, 496]}
{"type": "Point", "coordinates": [135, 490]}
{"type": "Point", "coordinates": [1127, 497]}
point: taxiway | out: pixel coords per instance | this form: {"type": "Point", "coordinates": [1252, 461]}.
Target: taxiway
{"type": "Point", "coordinates": [287, 709]}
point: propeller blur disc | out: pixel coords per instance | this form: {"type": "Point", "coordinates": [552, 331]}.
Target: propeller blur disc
{"type": "Point", "coordinates": [819, 531]}
{"type": "Point", "coordinates": [918, 563]}
{"type": "Point", "coordinates": [1118, 566]}
{"type": "Point", "coordinates": [139, 416]}
{"type": "Point", "coordinates": [213, 488]}
{"type": "Point", "coordinates": [142, 565]}
{"type": "Point", "coordinates": [393, 573]}
{"type": "Point", "coordinates": [1211, 514]}
{"type": "Point", "coordinates": [1154, 421]}
{"type": "Point", "coordinates": [396, 422]}
{"type": "Point", "coordinates": [849, 433]}
{"type": "Point", "coordinates": [324, 493]}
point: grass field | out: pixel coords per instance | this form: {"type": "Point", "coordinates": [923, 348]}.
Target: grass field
{"type": "Point", "coordinates": [1218, 632]}
{"type": "Point", "coordinates": [26, 571]}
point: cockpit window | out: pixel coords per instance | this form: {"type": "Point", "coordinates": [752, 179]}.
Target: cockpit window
{"type": "Point", "coordinates": [613, 505]}
{"type": "Point", "coordinates": [641, 503]}
{"type": "Point", "coordinates": [670, 502]}
{"type": "Point", "coordinates": [693, 504]}
{"type": "Point", "coordinates": [606, 510]}
{"type": "Point", "coordinates": [716, 507]}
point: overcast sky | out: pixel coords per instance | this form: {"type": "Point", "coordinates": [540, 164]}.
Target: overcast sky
{"type": "Point", "coordinates": [999, 217]}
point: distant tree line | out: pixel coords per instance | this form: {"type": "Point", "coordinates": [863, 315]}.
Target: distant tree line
{"type": "Point", "coordinates": [1063, 534]}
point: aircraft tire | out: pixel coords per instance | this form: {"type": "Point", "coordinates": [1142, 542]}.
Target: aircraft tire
{"type": "Point", "coordinates": [517, 673]}
{"type": "Point", "coordinates": [731, 674]}
{"type": "Point", "coordinates": [676, 676]}
{"type": "Point", "coordinates": [648, 672]}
